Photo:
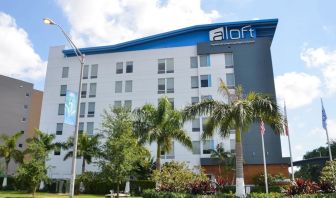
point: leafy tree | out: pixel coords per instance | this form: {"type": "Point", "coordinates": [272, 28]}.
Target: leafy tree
{"type": "Point", "coordinates": [121, 151]}
{"type": "Point", "coordinates": [328, 173]}
{"type": "Point", "coordinates": [162, 125]}
{"type": "Point", "coordinates": [45, 140]}
{"type": "Point", "coordinates": [88, 147]}
{"type": "Point", "coordinates": [9, 150]}
{"type": "Point", "coordinates": [145, 168]}
{"type": "Point", "coordinates": [239, 113]}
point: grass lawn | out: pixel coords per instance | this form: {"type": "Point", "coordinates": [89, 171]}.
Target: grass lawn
{"type": "Point", "coordinates": [14, 194]}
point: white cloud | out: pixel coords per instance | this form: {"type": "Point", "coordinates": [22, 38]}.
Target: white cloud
{"type": "Point", "coordinates": [106, 22]}
{"type": "Point", "coordinates": [331, 124]}
{"type": "Point", "coordinates": [298, 89]}
{"type": "Point", "coordinates": [17, 56]}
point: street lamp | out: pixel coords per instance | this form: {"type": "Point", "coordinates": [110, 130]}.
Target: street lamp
{"type": "Point", "coordinates": [80, 56]}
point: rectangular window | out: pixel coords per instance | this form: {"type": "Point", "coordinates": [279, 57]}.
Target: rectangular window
{"type": "Point", "coordinates": [230, 80]}
{"type": "Point", "coordinates": [86, 72]}
{"type": "Point", "coordinates": [195, 124]}
{"type": "Point", "coordinates": [194, 100]}
{"type": "Point", "coordinates": [93, 88]}
{"type": "Point", "coordinates": [204, 122]}
{"type": "Point", "coordinates": [117, 103]}
{"type": "Point", "coordinates": [228, 58]}
{"type": "Point", "coordinates": [65, 72]}
{"type": "Point", "coordinates": [208, 146]}
{"type": "Point", "coordinates": [232, 145]}
{"type": "Point", "coordinates": [161, 86]}
{"type": "Point", "coordinates": [170, 65]}
{"type": "Point", "coordinates": [206, 97]}
{"type": "Point", "coordinates": [84, 90]}
{"type": "Point", "coordinates": [89, 128]}
{"type": "Point", "coordinates": [119, 68]}
{"type": "Point", "coordinates": [171, 100]}
{"type": "Point", "coordinates": [57, 151]}
{"type": "Point", "coordinates": [170, 85]}
{"type": "Point", "coordinates": [196, 147]}
{"type": "Point", "coordinates": [205, 80]}
{"type": "Point", "coordinates": [128, 104]}
{"type": "Point", "coordinates": [193, 62]}
{"type": "Point", "coordinates": [129, 67]}
{"type": "Point", "coordinates": [25, 106]}
{"type": "Point", "coordinates": [161, 66]}
{"type": "Point", "coordinates": [20, 145]}
{"type": "Point", "coordinates": [59, 128]}
{"type": "Point", "coordinates": [23, 119]}
{"type": "Point", "coordinates": [204, 60]}
{"type": "Point", "coordinates": [60, 109]}
{"type": "Point", "coordinates": [63, 90]}
{"type": "Point", "coordinates": [118, 86]}
{"type": "Point", "coordinates": [128, 86]}
{"type": "Point", "coordinates": [82, 110]}
{"type": "Point", "coordinates": [94, 71]}
{"type": "Point", "coordinates": [81, 127]}
{"type": "Point", "coordinates": [91, 109]}
{"type": "Point", "coordinates": [166, 65]}
{"type": "Point", "coordinates": [194, 82]}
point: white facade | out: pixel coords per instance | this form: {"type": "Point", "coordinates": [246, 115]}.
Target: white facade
{"type": "Point", "coordinates": [144, 90]}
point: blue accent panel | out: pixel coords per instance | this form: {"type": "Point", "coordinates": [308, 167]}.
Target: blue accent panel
{"type": "Point", "coordinates": [182, 37]}
{"type": "Point", "coordinates": [209, 81]}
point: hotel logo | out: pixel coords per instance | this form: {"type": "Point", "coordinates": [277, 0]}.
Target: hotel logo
{"type": "Point", "coordinates": [226, 33]}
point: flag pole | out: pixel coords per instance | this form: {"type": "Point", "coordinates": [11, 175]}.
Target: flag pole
{"type": "Point", "coordinates": [324, 124]}
{"type": "Point", "coordinates": [289, 142]}
{"type": "Point", "coordinates": [262, 132]}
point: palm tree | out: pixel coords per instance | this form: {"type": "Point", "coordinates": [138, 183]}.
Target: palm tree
{"type": "Point", "coordinates": [9, 151]}
{"type": "Point", "coordinates": [88, 148]}
{"type": "Point", "coordinates": [220, 154]}
{"type": "Point", "coordinates": [239, 113]}
{"type": "Point", "coordinates": [161, 125]}
{"type": "Point", "coordinates": [45, 140]}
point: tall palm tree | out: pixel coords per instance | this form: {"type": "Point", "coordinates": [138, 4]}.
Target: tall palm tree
{"type": "Point", "coordinates": [45, 140]}
{"type": "Point", "coordinates": [9, 151]}
{"type": "Point", "coordinates": [239, 113]}
{"type": "Point", "coordinates": [161, 125]}
{"type": "Point", "coordinates": [88, 148]}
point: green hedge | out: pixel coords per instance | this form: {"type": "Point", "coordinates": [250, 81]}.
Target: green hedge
{"type": "Point", "coordinates": [261, 189]}
{"type": "Point", "coordinates": [138, 186]}
{"type": "Point", "coordinates": [11, 184]}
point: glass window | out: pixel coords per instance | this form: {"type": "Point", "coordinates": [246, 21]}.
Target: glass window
{"type": "Point", "coordinates": [24, 119]}
{"type": "Point", "coordinates": [94, 71]}
{"type": "Point", "coordinates": [83, 91]}
{"type": "Point", "coordinates": [57, 151]}
{"type": "Point", "coordinates": [59, 128]}
{"type": "Point", "coordinates": [20, 145]}
{"type": "Point", "coordinates": [27, 94]}
{"type": "Point", "coordinates": [195, 124]}
{"type": "Point", "coordinates": [228, 60]}
{"type": "Point", "coordinates": [128, 86]}
{"type": "Point", "coordinates": [119, 68]}
{"type": "Point", "coordinates": [129, 67]}
{"type": "Point", "coordinates": [193, 62]}
{"type": "Point", "coordinates": [161, 66]}
{"type": "Point", "coordinates": [196, 147]}
{"type": "Point", "coordinates": [206, 97]}
{"type": "Point", "coordinates": [60, 109]}
{"type": "Point", "coordinates": [205, 80]}
{"type": "Point", "coordinates": [194, 82]}
{"type": "Point", "coordinates": [168, 155]}
{"type": "Point", "coordinates": [85, 72]}
{"type": "Point", "coordinates": [204, 121]}
{"type": "Point", "coordinates": [232, 145]}
{"type": "Point", "coordinates": [204, 60]}
{"type": "Point", "coordinates": [230, 80]}
{"type": "Point", "coordinates": [63, 90]}
{"type": "Point", "coordinates": [93, 87]}
{"type": "Point", "coordinates": [65, 72]}
{"type": "Point", "coordinates": [170, 65]}
{"type": "Point", "coordinates": [89, 128]}
{"type": "Point", "coordinates": [170, 85]}
{"type": "Point", "coordinates": [81, 127]}
{"type": "Point", "coordinates": [194, 100]}
{"type": "Point", "coordinates": [208, 146]}
{"type": "Point", "coordinates": [161, 86]}
{"type": "Point", "coordinates": [25, 106]}
{"type": "Point", "coordinates": [91, 109]}
{"type": "Point", "coordinates": [82, 109]}
{"type": "Point", "coordinates": [117, 103]}
{"type": "Point", "coordinates": [118, 86]}
{"type": "Point", "coordinates": [128, 104]}
{"type": "Point", "coordinates": [171, 100]}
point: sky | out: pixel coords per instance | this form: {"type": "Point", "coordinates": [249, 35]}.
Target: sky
{"type": "Point", "coordinates": [303, 48]}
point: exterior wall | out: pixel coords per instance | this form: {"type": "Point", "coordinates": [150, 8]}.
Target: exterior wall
{"type": "Point", "coordinates": [35, 112]}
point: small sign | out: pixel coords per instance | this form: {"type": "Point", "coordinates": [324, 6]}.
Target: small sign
{"type": "Point", "coordinates": [70, 111]}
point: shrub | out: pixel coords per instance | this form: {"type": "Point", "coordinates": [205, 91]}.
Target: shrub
{"type": "Point", "coordinates": [261, 189]}
{"type": "Point", "coordinates": [326, 187]}
{"type": "Point", "coordinates": [200, 188]}
{"type": "Point", "coordinates": [327, 173]}
{"type": "Point", "coordinates": [11, 183]}
{"type": "Point", "coordinates": [272, 180]}
{"type": "Point", "coordinates": [264, 195]}
{"type": "Point", "coordinates": [138, 186]}
{"type": "Point", "coordinates": [301, 186]}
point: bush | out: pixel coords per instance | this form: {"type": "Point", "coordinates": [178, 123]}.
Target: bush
{"type": "Point", "coordinates": [272, 180]}
{"type": "Point", "coordinates": [11, 183]}
{"type": "Point", "coordinates": [264, 195]}
{"type": "Point", "coordinates": [301, 186]}
{"type": "Point", "coordinates": [200, 188]}
{"type": "Point", "coordinates": [227, 189]}
{"type": "Point", "coordinates": [138, 186]}
{"type": "Point", "coordinates": [261, 189]}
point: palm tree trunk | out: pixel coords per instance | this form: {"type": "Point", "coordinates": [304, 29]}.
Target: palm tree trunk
{"type": "Point", "coordinates": [5, 181]}
{"type": "Point", "coordinates": [158, 157]}
{"type": "Point", "coordinates": [117, 189]}
{"type": "Point", "coordinates": [83, 165]}
{"type": "Point", "coordinates": [240, 186]}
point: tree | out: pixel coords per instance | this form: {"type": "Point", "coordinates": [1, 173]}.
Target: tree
{"type": "Point", "coordinates": [9, 151]}
{"type": "Point", "coordinates": [161, 125]}
{"type": "Point", "coordinates": [121, 151]}
{"type": "Point", "coordinates": [88, 147]}
{"type": "Point", "coordinates": [226, 159]}
{"type": "Point", "coordinates": [328, 172]}
{"type": "Point", "coordinates": [239, 113]}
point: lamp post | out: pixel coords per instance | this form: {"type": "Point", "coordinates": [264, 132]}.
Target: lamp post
{"type": "Point", "coordinates": [80, 57]}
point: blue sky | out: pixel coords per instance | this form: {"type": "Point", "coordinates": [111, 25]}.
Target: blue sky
{"type": "Point", "coordinates": [303, 49]}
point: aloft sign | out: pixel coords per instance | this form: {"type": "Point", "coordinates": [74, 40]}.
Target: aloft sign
{"type": "Point", "coordinates": [227, 33]}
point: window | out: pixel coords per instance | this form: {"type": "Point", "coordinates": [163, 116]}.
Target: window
{"type": "Point", "coordinates": [129, 67]}
{"type": "Point", "coordinates": [208, 146]}
{"type": "Point", "coordinates": [94, 71]}
{"type": "Point", "coordinates": [63, 90]}
{"type": "Point", "coordinates": [194, 82]}
{"type": "Point", "coordinates": [83, 91]}
{"type": "Point", "coordinates": [89, 128]}
{"type": "Point", "coordinates": [86, 72]}
{"type": "Point", "coordinates": [25, 106]}
{"type": "Point", "coordinates": [128, 104]}
{"type": "Point", "coordinates": [204, 60]}
{"type": "Point", "coordinates": [194, 100]}
{"type": "Point", "coordinates": [228, 58]}
{"type": "Point", "coordinates": [119, 68]}
{"type": "Point", "coordinates": [230, 80]}
{"type": "Point", "coordinates": [161, 86]}
{"type": "Point", "coordinates": [57, 151]}
{"type": "Point", "coordinates": [205, 80]}
{"type": "Point", "coordinates": [171, 100]}
{"type": "Point", "coordinates": [206, 97]}
{"type": "Point", "coordinates": [193, 62]}
{"type": "Point", "coordinates": [170, 65]}
{"type": "Point", "coordinates": [165, 83]}
{"type": "Point", "coordinates": [22, 132]}
{"type": "Point", "coordinates": [195, 124]}
{"type": "Point", "coordinates": [60, 109]}
{"type": "Point", "coordinates": [93, 87]}
{"type": "Point", "coordinates": [65, 72]}
{"type": "Point", "coordinates": [23, 119]}
{"type": "Point", "coordinates": [232, 145]}
{"type": "Point", "coordinates": [27, 94]}
{"type": "Point", "coordinates": [168, 155]}
{"type": "Point", "coordinates": [204, 122]}
{"type": "Point", "coordinates": [170, 85]}
{"type": "Point", "coordinates": [82, 110]}
{"type": "Point", "coordinates": [128, 86]}
{"type": "Point", "coordinates": [161, 66]}
{"type": "Point", "coordinates": [81, 127]}
{"type": "Point", "coordinates": [91, 109]}
{"type": "Point", "coordinates": [117, 103]}
{"type": "Point", "coordinates": [118, 86]}
{"type": "Point", "coordinates": [20, 145]}
{"type": "Point", "coordinates": [166, 65]}
{"type": "Point", "coordinates": [196, 147]}
{"type": "Point", "coordinates": [59, 128]}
